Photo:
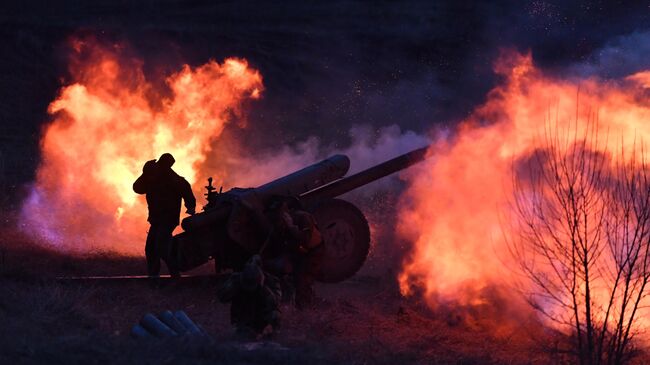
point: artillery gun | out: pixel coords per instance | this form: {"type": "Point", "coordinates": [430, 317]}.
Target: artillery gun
{"type": "Point", "coordinates": [231, 226]}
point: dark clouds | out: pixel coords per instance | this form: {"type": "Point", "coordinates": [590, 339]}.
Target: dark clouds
{"type": "Point", "coordinates": [327, 66]}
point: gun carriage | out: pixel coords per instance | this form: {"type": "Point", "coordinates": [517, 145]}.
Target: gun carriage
{"type": "Point", "coordinates": [231, 226]}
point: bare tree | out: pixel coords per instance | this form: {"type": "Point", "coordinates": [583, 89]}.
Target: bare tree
{"type": "Point", "coordinates": [583, 236]}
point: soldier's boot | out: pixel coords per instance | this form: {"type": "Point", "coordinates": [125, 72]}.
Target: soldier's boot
{"type": "Point", "coordinates": [245, 333]}
{"type": "Point", "coordinates": [287, 284]}
{"type": "Point", "coordinates": [305, 296]}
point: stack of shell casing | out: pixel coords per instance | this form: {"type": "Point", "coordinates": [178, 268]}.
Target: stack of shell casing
{"type": "Point", "coordinates": [167, 325]}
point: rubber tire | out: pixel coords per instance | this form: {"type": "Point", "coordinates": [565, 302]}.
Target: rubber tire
{"type": "Point", "coordinates": [333, 262]}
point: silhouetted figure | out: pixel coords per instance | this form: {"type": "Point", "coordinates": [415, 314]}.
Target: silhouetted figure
{"type": "Point", "coordinates": [295, 237]}
{"type": "Point", "coordinates": [255, 296]}
{"type": "Point", "coordinates": [164, 189]}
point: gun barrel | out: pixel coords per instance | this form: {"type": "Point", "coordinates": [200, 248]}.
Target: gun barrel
{"type": "Point", "coordinates": [308, 178]}
{"type": "Point", "coordinates": [364, 177]}
{"type": "Point", "coordinates": [296, 183]}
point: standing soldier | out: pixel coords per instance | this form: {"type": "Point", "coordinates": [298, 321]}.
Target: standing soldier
{"type": "Point", "coordinates": [295, 238]}
{"type": "Point", "coordinates": [164, 189]}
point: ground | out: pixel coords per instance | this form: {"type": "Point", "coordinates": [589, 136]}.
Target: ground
{"type": "Point", "coordinates": [361, 321]}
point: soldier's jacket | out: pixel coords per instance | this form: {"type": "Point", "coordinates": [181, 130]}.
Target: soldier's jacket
{"type": "Point", "coordinates": [298, 234]}
{"type": "Point", "coordinates": [164, 189]}
{"type": "Point", "coordinates": [252, 309]}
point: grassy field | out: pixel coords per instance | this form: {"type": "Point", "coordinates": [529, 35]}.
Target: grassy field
{"type": "Point", "coordinates": [361, 321]}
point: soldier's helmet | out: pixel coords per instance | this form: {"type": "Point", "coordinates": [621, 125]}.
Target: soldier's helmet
{"type": "Point", "coordinates": [166, 160]}
{"type": "Point", "coordinates": [252, 276]}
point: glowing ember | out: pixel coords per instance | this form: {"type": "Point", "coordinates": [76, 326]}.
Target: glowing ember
{"type": "Point", "coordinates": [106, 124]}
{"type": "Point", "coordinates": [457, 205]}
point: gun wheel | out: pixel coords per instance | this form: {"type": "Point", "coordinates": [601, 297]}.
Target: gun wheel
{"type": "Point", "coordinates": [346, 241]}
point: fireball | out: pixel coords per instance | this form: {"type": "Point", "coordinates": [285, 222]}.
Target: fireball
{"type": "Point", "coordinates": [106, 123]}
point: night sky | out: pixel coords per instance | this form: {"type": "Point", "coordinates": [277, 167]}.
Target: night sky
{"type": "Point", "coordinates": [326, 66]}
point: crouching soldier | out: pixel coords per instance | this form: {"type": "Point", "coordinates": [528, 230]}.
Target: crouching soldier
{"type": "Point", "coordinates": [255, 298]}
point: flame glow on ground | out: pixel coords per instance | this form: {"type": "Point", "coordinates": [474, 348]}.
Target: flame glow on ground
{"type": "Point", "coordinates": [457, 205]}
{"type": "Point", "coordinates": [106, 123]}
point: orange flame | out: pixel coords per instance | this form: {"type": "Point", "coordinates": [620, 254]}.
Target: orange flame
{"type": "Point", "coordinates": [458, 201]}
{"type": "Point", "coordinates": [106, 124]}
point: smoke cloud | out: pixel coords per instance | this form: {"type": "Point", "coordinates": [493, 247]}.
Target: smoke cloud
{"type": "Point", "coordinates": [619, 57]}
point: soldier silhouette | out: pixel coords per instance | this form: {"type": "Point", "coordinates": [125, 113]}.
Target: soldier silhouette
{"type": "Point", "coordinates": [294, 239]}
{"type": "Point", "coordinates": [164, 189]}
{"type": "Point", "coordinates": [255, 296]}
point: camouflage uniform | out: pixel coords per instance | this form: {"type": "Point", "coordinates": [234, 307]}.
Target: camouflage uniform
{"type": "Point", "coordinates": [255, 298]}
{"type": "Point", "coordinates": [295, 238]}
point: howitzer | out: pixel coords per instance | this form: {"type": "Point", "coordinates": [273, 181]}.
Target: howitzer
{"type": "Point", "coordinates": [233, 226]}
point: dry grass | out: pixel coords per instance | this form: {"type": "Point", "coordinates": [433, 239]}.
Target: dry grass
{"type": "Point", "coordinates": [363, 321]}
